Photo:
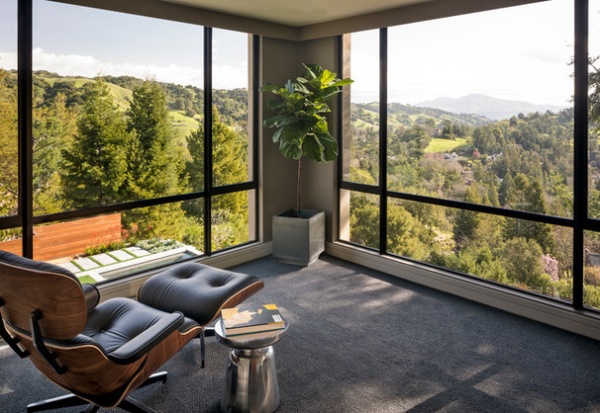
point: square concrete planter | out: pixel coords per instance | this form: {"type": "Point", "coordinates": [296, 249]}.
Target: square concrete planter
{"type": "Point", "coordinates": [299, 241]}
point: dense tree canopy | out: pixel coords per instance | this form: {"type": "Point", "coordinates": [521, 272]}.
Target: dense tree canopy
{"type": "Point", "coordinates": [94, 166]}
{"type": "Point", "coordinates": [8, 146]}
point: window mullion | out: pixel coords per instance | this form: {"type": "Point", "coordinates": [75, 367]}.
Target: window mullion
{"type": "Point", "coordinates": [383, 96]}
{"type": "Point", "coordinates": [208, 161]}
{"type": "Point", "coordinates": [25, 97]}
{"type": "Point", "coordinates": [580, 132]}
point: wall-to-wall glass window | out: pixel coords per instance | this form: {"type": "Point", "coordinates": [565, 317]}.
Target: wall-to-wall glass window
{"type": "Point", "coordinates": [478, 142]}
{"type": "Point", "coordinates": [120, 179]}
{"type": "Point", "coordinates": [9, 142]}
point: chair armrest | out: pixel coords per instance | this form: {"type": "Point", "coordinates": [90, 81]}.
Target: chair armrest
{"type": "Point", "coordinates": [139, 346]}
{"type": "Point", "coordinates": [92, 296]}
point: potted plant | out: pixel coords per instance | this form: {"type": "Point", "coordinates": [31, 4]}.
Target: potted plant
{"type": "Point", "coordinates": [301, 130]}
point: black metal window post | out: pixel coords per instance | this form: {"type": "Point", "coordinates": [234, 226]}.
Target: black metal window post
{"type": "Point", "coordinates": [25, 96]}
{"type": "Point", "coordinates": [208, 121]}
{"type": "Point", "coordinates": [580, 135]}
{"type": "Point", "coordinates": [383, 138]}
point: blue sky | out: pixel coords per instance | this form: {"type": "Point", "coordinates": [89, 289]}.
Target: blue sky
{"type": "Point", "coordinates": [514, 53]}
{"type": "Point", "coordinates": [74, 40]}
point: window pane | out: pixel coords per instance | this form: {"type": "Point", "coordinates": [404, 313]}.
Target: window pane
{"type": "Point", "coordinates": [119, 244]}
{"type": "Point", "coordinates": [9, 183]}
{"type": "Point", "coordinates": [482, 114]}
{"type": "Point", "coordinates": [232, 221]}
{"type": "Point", "coordinates": [232, 150]}
{"type": "Point", "coordinates": [361, 153]}
{"type": "Point", "coordinates": [528, 255]}
{"type": "Point", "coordinates": [591, 288]}
{"type": "Point", "coordinates": [11, 240]}
{"type": "Point", "coordinates": [359, 223]}
{"type": "Point", "coordinates": [594, 110]}
{"type": "Point", "coordinates": [111, 116]}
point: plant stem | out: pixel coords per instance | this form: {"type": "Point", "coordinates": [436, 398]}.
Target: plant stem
{"type": "Point", "coordinates": [298, 188]}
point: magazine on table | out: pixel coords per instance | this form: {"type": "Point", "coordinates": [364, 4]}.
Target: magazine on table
{"type": "Point", "coordinates": [251, 319]}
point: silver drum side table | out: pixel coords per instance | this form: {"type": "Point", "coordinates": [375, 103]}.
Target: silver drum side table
{"type": "Point", "coordinates": [251, 379]}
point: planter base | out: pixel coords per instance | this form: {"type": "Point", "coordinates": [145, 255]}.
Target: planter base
{"type": "Point", "coordinates": [299, 241]}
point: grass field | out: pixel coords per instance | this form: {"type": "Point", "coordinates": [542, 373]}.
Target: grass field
{"type": "Point", "coordinates": [444, 145]}
{"type": "Point", "coordinates": [183, 124]}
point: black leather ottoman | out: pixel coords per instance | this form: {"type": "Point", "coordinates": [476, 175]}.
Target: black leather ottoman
{"type": "Point", "coordinates": [198, 291]}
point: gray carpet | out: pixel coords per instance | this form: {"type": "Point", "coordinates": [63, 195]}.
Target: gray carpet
{"type": "Point", "coordinates": [360, 341]}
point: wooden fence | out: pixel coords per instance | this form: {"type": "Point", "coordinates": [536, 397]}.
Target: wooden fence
{"type": "Point", "coordinates": [67, 239]}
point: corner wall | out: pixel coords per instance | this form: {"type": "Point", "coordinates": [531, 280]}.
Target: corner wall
{"type": "Point", "coordinates": [282, 60]}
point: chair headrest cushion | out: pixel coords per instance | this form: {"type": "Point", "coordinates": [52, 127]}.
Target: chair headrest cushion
{"type": "Point", "coordinates": [16, 260]}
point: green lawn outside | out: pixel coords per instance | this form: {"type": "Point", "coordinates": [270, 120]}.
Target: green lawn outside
{"type": "Point", "coordinates": [444, 145]}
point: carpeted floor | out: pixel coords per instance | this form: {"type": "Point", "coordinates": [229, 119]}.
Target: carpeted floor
{"type": "Point", "coordinates": [360, 341]}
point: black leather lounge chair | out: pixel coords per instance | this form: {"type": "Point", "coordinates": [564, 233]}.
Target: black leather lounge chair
{"type": "Point", "coordinates": [101, 352]}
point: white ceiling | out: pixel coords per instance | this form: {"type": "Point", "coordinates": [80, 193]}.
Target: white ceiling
{"type": "Point", "coordinates": [297, 13]}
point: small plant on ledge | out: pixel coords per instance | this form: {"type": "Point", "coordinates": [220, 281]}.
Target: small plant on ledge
{"type": "Point", "coordinates": [300, 122]}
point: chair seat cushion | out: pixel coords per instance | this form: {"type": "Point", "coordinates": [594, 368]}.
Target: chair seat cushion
{"type": "Point", "coordinates": [119, 320]}
{"type": "Point", "coordinates": [197, 290]}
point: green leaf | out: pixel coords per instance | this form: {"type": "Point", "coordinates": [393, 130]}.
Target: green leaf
{"type": "Point", "coordinates": [342, 82]}
{"type": "Point", "coordinates": [277, 135]}
{"type": "Point", "coordinates": [327, 78]}
{"type": "Point", "coordinates": [312, 148]}
{"type": "Point", "coordinates": [290, 149]}
{"type": "Point", "coordinates": [268, 87]}
{"type": "Point", "coordinates": [330, 147]}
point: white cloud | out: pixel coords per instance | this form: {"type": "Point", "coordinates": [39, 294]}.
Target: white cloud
{"type": "Point", "coordinates": [8, 61]}
{"type": "Point", "coordinates": [89, 66]}
{"type": "Point", "coordinates": [224, 76]}
{"type": "Point", "coordinates": [230, 76]}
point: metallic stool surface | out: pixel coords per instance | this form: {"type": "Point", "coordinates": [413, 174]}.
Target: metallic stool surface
{"type": "Point", "coordinates": [251, 378]}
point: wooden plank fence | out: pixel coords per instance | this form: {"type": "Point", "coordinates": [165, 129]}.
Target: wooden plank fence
{"type": "Point", "coordinates": [67, 239]}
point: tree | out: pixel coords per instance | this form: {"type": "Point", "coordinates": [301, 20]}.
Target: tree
{"type": "Point", "coordinates": [364, 221]}
{"type": "Point", "coordinates": [9, 146]}
{"type": "Point", "coordinates": [300, 123]}
{"type": "Point", "coordinates": [94, 166]}
{"type": "Point", "coordinates": [532, 198]}
{"type": "Point", "coordinates": [54, 127]}
{"type": "Point", "coordinates": [155, 164]}
{"type": "Point", "coordinates": [594, 90]}
{"type": "Point", "coordinates": [407, 236]}
{"type": "Point", "coordinates": [466, 221]}
{"type": "Point", "coordinates": [229, 214]}
{"type": "Point", "coordinates": [523, 262]}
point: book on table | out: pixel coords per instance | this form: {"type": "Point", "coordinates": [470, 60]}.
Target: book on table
{"type": "Point", "coordinates": [251, 319]}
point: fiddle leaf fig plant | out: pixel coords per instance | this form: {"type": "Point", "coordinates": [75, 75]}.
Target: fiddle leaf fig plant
{"type": "Point", "coordinates": [300, 121]}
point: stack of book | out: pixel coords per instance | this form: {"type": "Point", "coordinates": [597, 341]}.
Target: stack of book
{"type": "Point", "coordinates": [251, 319]}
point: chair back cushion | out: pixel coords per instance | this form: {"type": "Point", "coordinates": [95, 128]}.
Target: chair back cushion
{"type": "Point", "coordinates": [27, 285]}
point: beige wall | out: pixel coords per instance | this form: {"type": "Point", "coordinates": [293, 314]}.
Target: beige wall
{"type": "Point", "coordinates": [282, 60]}
{"type": "Point", "coordinates": [279, 61]}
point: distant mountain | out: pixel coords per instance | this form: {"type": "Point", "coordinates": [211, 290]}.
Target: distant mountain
{"type": "Point", "coordinates": [488, 106]}
{"type": "Point", "coordinates": [365, 116]}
